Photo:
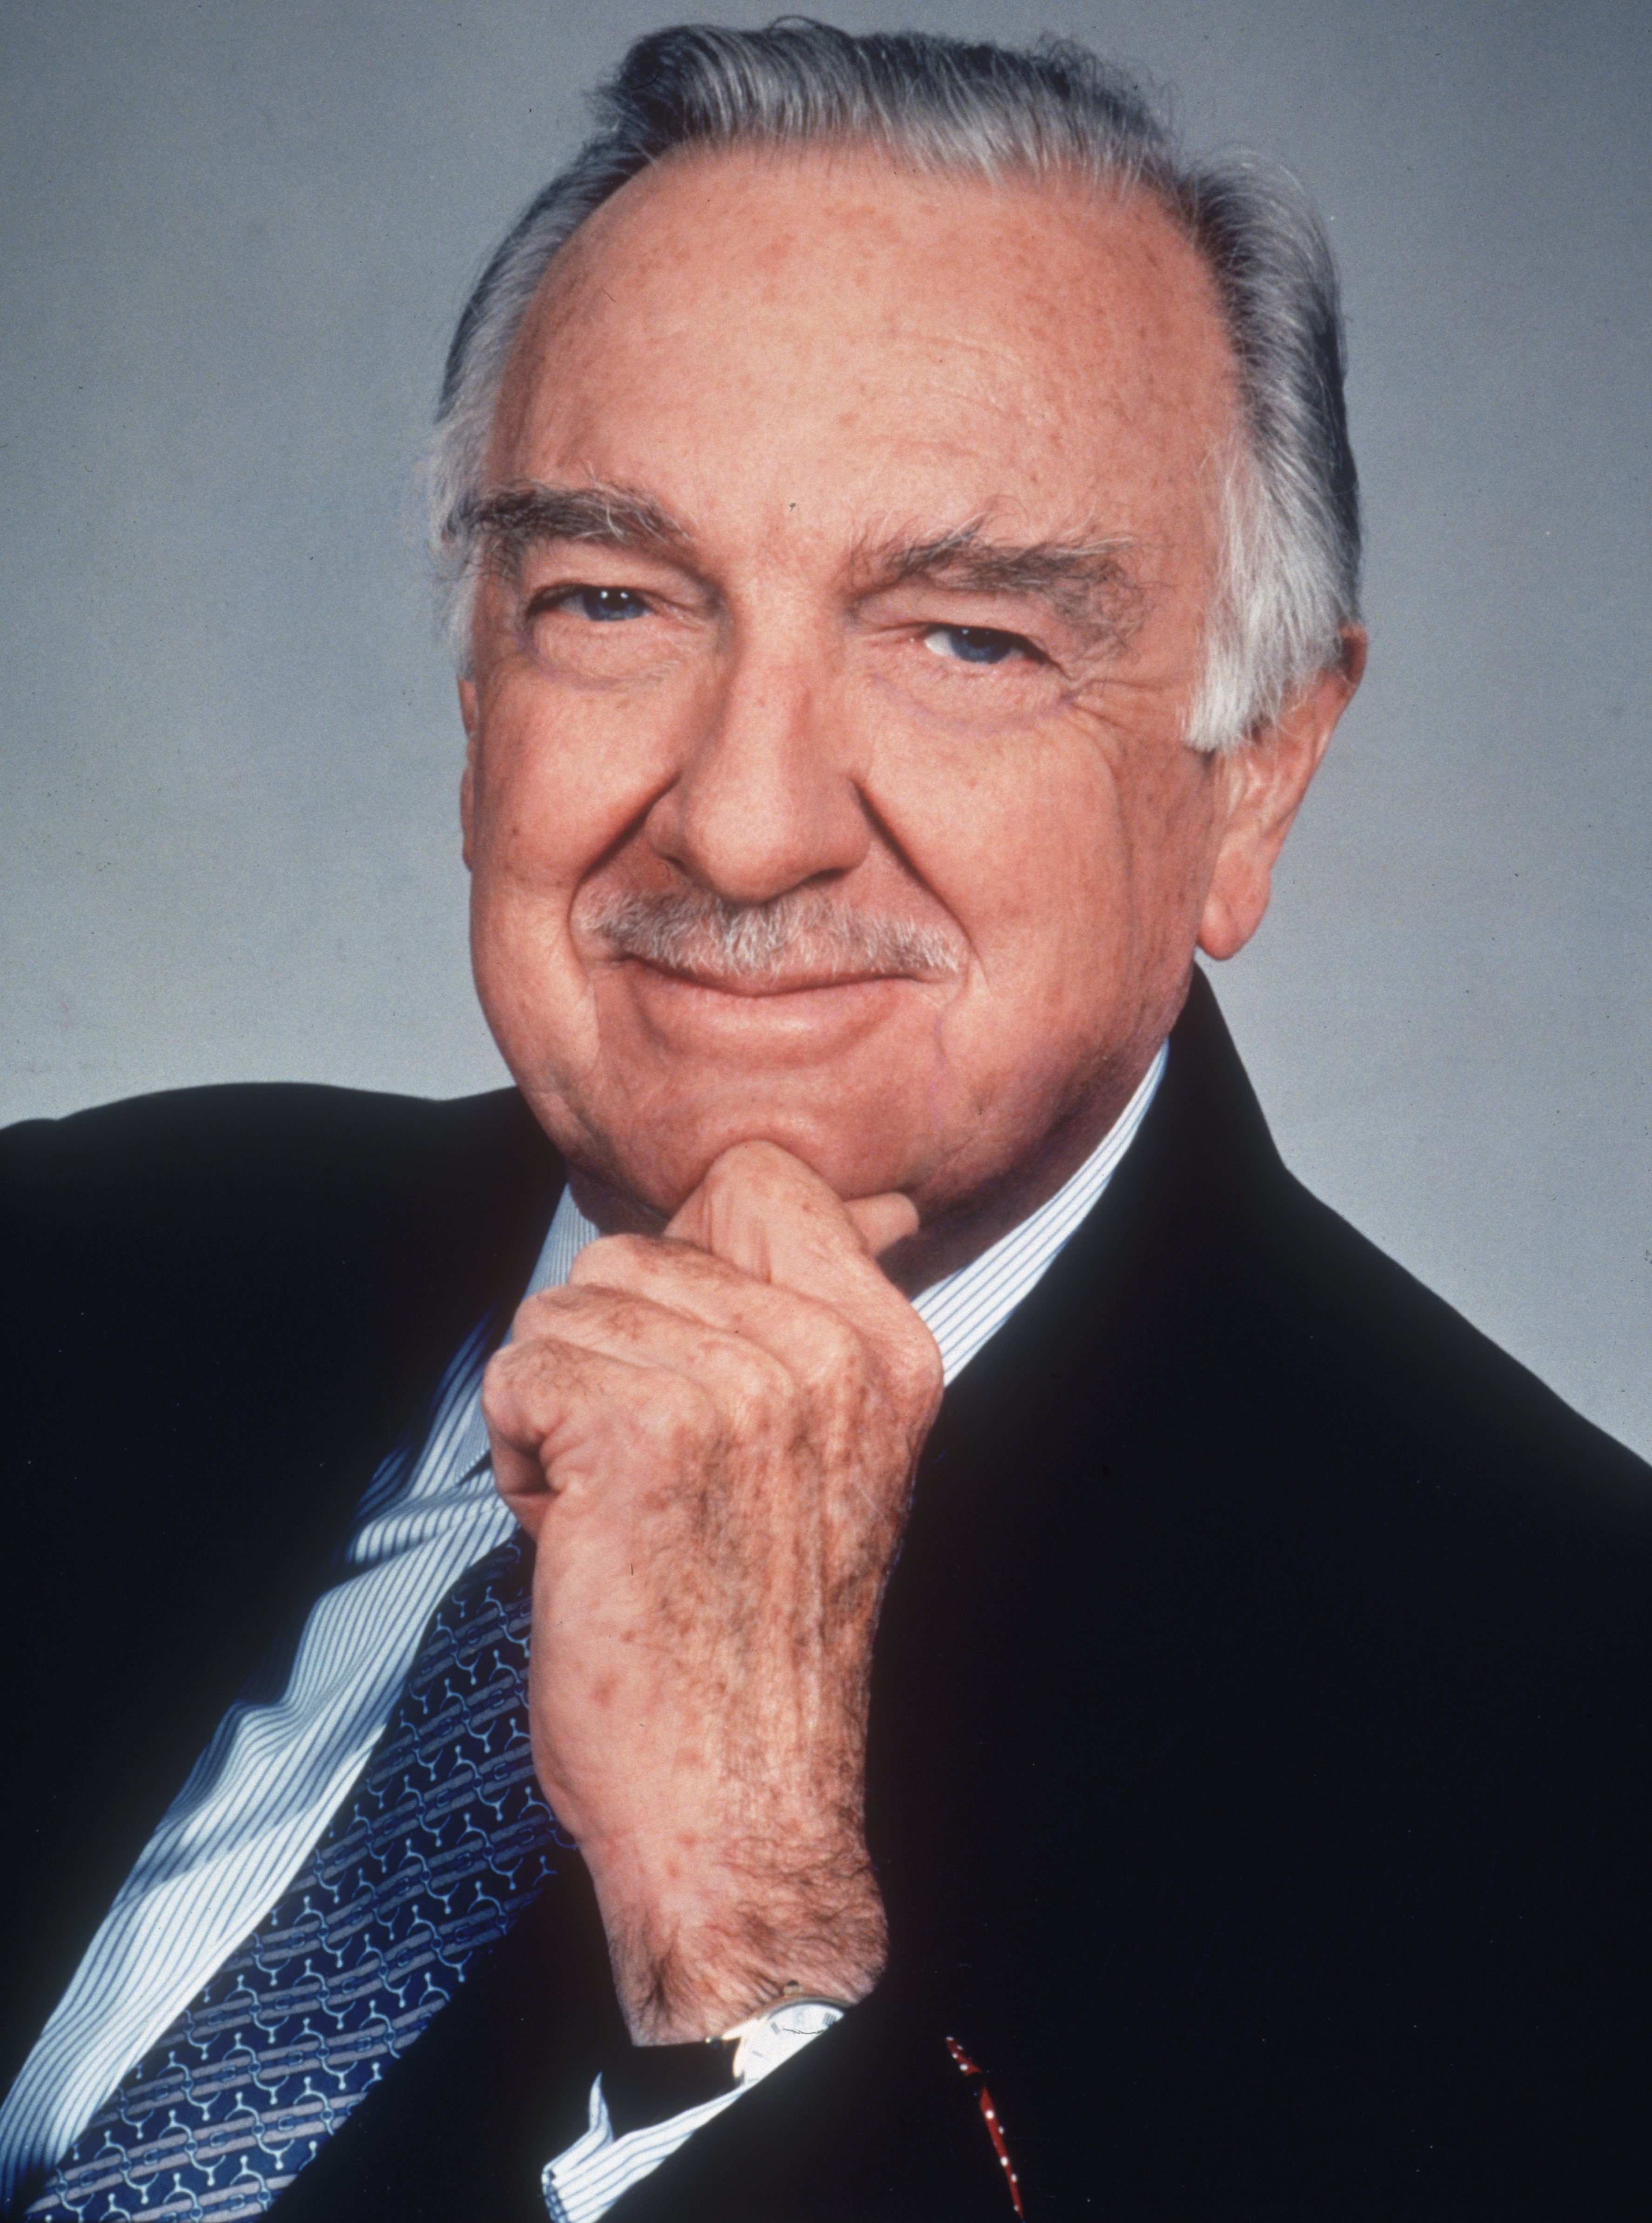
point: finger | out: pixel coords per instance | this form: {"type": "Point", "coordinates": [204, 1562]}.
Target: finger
{"type": "Point", "coordinates": [875, 1332]}
{"type": "Point", "coordinates": [642, 1330]}
{"type": "Point", "coordinates": [561, 1420]}
{"type": "Point", "coordinates": [765, 1211]}
{"type": "Point", "coordinates": [883, 1220]}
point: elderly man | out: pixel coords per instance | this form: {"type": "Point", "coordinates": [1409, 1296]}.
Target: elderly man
{"type": "Point", "coordinates": [902, 538]}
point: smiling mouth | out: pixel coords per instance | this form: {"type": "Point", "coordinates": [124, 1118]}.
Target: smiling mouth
{"type": "Point", "coordinates": [756, 986]}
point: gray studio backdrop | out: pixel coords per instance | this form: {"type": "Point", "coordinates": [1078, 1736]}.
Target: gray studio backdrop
{"type": "Point", "coordinates": [236, 234]}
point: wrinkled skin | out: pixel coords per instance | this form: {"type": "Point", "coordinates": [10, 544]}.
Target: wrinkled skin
{"type": "Point", "coordinates": [809, 646]}
{"type": "Point", "coordinates": [730, 1460]}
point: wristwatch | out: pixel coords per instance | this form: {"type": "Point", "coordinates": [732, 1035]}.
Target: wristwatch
{"type": "Point", "coordinates": [772, 2035]}
{"type": "Point", "coordinates": [644, 2084]}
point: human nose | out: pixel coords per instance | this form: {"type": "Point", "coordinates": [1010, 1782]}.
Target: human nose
{"type": "Point", "coordinates": [765, 798]}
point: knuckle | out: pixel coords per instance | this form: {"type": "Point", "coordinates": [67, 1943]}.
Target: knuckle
{"type": "Point", "coordinates": [534, 1315]}
{"type": "Point", "coordinates": [760, 1387]}
{"type": "Point", "coordinates": [615, 1262]}
{"type": "Point", "coordinates": [506, 1388]}
{"type": "Point", "coordinates": [503, 1371]}
{"type": "Point", "coordinates": [914, 1371]}
{"type": "Point", "coordinates": [837, 1351]}
{"type": "Point", "coordinates": [678, 1417]}
{"type": "Point", "coordinates": [564, 1316]}
{"type": "Point", "coordinates": [748, 1385]}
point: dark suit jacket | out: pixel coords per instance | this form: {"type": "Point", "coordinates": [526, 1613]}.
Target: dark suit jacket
{"type": "Point", "coordinates": [1257, 1776]}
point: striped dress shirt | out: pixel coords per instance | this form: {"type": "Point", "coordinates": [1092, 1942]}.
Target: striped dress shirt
{"type": "Point", "coordinates": [284, 1758]}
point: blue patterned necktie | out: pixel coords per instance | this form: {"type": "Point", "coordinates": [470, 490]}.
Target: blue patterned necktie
{"type": "Point", "coordinates": [445, 1840]}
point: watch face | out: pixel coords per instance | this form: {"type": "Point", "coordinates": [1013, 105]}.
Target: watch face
{"type": "Point", "coordinates": [780, 2031]}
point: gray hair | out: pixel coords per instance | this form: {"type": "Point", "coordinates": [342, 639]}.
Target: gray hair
{"type": "Point", "coordinates": [1289, 581]}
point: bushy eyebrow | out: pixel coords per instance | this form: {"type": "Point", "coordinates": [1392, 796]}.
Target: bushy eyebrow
{"type": "Point", "coordinates": [1089, 582]}
{"type": "Point", "coordinates": [514, 519]}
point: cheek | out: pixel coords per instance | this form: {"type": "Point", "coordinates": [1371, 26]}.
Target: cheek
{"type": "Point", "coordinates": [1170, 808]}
{"type": "Point", "coordinates": [546, 805]}
{"type": "Point", "coordinates": [556, 784]}
{"type": "Point", "coordinates": [1028, 853]}
{"type": "Point", "coordinates": [1077, 877]}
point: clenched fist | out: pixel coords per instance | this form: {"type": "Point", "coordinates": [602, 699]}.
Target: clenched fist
{"type": "Point", "coordinates": [712, 1438]}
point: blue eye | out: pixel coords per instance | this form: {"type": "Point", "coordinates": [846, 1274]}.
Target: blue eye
{"type": "Point", "coordinates": [607, 605]}
{"type": "Point", "coordinates": [973, 644]}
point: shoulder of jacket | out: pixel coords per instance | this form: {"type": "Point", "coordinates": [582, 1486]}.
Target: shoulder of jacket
{"type": "Point", "coordinates": [221, 1137]}
{"type": "Point", "coordinates": [177, 1191]}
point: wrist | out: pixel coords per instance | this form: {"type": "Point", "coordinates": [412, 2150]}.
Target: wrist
{"type": "Point", "coordinates": [697, 1954]}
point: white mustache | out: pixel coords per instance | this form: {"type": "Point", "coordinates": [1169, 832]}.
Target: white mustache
{"type": "Point", "coordinates": [805, 932]}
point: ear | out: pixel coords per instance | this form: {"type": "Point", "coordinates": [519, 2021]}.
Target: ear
{"type": "Point", "coordinates": [468, 711]}
{"type": "Point", "coordinates": [1265, 782]}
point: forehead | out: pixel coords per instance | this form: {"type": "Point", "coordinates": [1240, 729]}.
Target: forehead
{"type": "Point", "coordinates": [822, 329]}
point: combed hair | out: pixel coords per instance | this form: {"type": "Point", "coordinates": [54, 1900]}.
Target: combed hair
{"type": "Point", "coordinates": [1289, 496]}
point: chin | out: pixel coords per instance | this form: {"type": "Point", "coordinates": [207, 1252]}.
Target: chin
{"type": "Point", "coordinates": [663, 1167]}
